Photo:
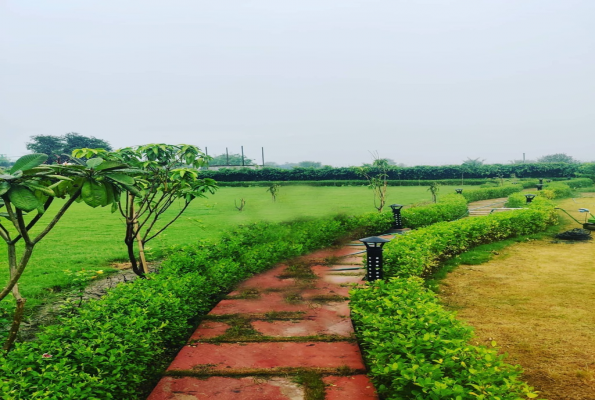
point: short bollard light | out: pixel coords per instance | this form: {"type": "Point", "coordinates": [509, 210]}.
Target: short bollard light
{"type": "Point", "coordinates": [398, 222]}
{"type": "Point", "coordinates": [529, 198]}
{"type": "Point", "coordinates": [540, 181]}
{"type": "Point", "coordinates": [374, 252]}
{"type": "Point", "coordinates": [459, 191]}
{"type": "Point", "coordinates": [539, 186]}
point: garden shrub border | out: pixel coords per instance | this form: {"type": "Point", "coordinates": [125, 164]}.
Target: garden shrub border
{"type": "Point", "coordinates": [413, 347]}
{"type": "Point", "coordinates": [117, 346]}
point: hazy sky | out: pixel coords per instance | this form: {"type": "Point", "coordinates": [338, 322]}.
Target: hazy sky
{"type": "Point", "coordinates": [421, 82]}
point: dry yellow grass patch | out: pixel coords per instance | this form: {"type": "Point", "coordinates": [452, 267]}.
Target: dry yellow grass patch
{"type": "Point", "coordinates": [537, 301]}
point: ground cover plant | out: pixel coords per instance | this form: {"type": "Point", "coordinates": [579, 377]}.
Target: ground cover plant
{"type": "Point", "coordinates": [415, 349]}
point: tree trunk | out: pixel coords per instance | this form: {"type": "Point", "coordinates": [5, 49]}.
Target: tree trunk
{"type": "Point", "coordinates": [16, 320]}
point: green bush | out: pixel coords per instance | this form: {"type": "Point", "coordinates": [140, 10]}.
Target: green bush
{"type": "Point", "coordinates": [417, 350]}
{"type": "Point", "coordinates": [449, 208]}
{"type": "Point", "coordinates": [491, 193]}
{"type": "Point", "coordinates": [560, 190]}
{"type": "Point", "coordinates": [413, 347]}
{"type": "Point", "coordinates": [115, 347]}
{"type": "Point", "coordinates": [351, 182]}
{"type": "Point", "coordinates": [420, 252]}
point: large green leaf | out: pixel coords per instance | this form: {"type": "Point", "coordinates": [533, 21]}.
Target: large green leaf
{"type": "Point", "coordinates": [28, 161]}
{"type": "Point", "coordinates": [120, 178]}
{"type": "Point", "coordinates": [94, 162]}
{"type": "Point", "coordinates": [23, 198]}
{"type": "Point", "coordinates": [4, 186]}
{"type": "Point", "coordinates": [36, 186]}
{"type": "Point", "coordinates": [94, 193]}
{"type": "Point", "coordinates": [109, 165]}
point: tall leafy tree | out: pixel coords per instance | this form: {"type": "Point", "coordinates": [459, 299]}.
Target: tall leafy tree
{"type": "Point", "coordinates": [4, 161]}
{"type": "Point", "coordinates": [73, 140]}
{"type": "Point", "coordinates": [230, 159]}
{"type": "Point", "coordinates": [166, 175]}
{"type": "Point", "coordinates": [57, 148]}
{"type": "Point", "coordinates": [49, 145]}
{"type": "Point", "coordinates": [558, 157]}
{"type": "Point", "coordinates": [28, 190]}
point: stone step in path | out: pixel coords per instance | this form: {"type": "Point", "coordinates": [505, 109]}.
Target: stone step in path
{"type": "Point", "coordinates": [484, 207]}
{"type": "Point", "coordinates": [281, 335]}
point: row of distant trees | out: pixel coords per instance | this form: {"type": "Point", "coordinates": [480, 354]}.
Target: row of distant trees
{"type": "Point", "coordinates": [59, 148]}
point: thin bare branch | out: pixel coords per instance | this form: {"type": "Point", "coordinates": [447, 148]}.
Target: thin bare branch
{"type": "Point", "coordinates": [57, 217]}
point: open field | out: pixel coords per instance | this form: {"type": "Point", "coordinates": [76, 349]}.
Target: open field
{"type": "Point", "coordinates": [93, 238]}
{"type": "Point", "coordinates": [536, 300]}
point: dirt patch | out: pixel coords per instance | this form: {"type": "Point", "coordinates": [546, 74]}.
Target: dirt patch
{"type": "Point", "coordinates": [536, 300]}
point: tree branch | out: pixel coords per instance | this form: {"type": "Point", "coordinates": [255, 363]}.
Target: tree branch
{"type": "Point", "coordinates": [171, 222]}
{"type": "Point", "coordinates": [57, 217]}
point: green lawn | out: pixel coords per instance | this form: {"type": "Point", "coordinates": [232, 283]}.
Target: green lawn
{"type": "Point", "coordinates": [93, 238]}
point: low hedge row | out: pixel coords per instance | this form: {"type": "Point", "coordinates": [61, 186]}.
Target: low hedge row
{"type": "Point", "coordinates": [352, 182]}
{"type": "Point", "coordinates": [420, 252]}
{"type": "Point", "coordinates": [553, 190]}
{"type": "Point", "coordinates": [449, 208]}
{"type": "Point", "coordinates": [414, 348]}
{"type": "Point", "coordinates": [115, 347]}
{"type": "Point", "coordinates": [491, 192]}
{"type": "Point", "coordinates": [417, 350]}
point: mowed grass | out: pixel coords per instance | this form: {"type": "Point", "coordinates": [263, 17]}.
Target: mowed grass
{"type": "Point", "coordinates": [92, 239]}
{"type": "Point", "coordinates": [536, 300]}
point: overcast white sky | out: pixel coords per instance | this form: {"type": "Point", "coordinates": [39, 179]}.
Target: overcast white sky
{"type": "Point", "coordinates": [420, 81]}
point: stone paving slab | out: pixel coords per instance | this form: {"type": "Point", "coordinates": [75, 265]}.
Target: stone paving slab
{"type": "Point", "coordinates": [222, 388]}
{"type": "Point", "coordinates": [319, 325]}
{"type": "Point", "coordinates": [238, 356]}
{"type": "Point", "coordinates": [208, 330]}
{"type": "Point", "coordinates": [356, 387]}
{"type": "Point", "coordinates": [273, 301]}
{"type": "Point", "coordinates": [267, 280]}
{"type": "Point", "coordinates": [320, 310]}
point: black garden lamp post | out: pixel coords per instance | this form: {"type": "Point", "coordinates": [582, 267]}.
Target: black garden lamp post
{"type": "Point", "coordinates": [459, 191]}
{"type": "Point", "coordinates": [374, 252]}
{"type": "Point", "coordinates": [529, 198]}
{"type": "Point", "coordinates": [398, 222]}
{"type": "Point", "coordinates": [540, 181]}
{"type": "Point", "coordinates": [539, 186]}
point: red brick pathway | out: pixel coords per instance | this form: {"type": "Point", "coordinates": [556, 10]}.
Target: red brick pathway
{"type": "Point", "coordinates": [274, 327]}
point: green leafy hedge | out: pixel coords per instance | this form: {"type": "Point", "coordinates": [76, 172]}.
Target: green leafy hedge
{"type": "Point", "coordinates": [449, 208]}
{"type": "Point", "coordinates": [491, 192]}
{"type": "Point", "coordinates": [420, 252]}
{"type": "Point", "coordinates": [417, 350]}
{"type": "Point", "coordinates": [115, 347]}
{"type": "Point", "coordinates": [352, 182]}
{"type": "Point", "coordinates": [423, 172]}
{"type": "Point", "coordinates": [414, 348]}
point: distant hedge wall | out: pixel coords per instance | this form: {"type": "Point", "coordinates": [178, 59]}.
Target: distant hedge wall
{"type": "Point", "coordinates": [424, 172]}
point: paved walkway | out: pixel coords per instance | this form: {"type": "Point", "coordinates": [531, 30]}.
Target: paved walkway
{"type": "Point", "coordinates": [484, 207]}
{"type": "Point", "coordinates": [282, 335]}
